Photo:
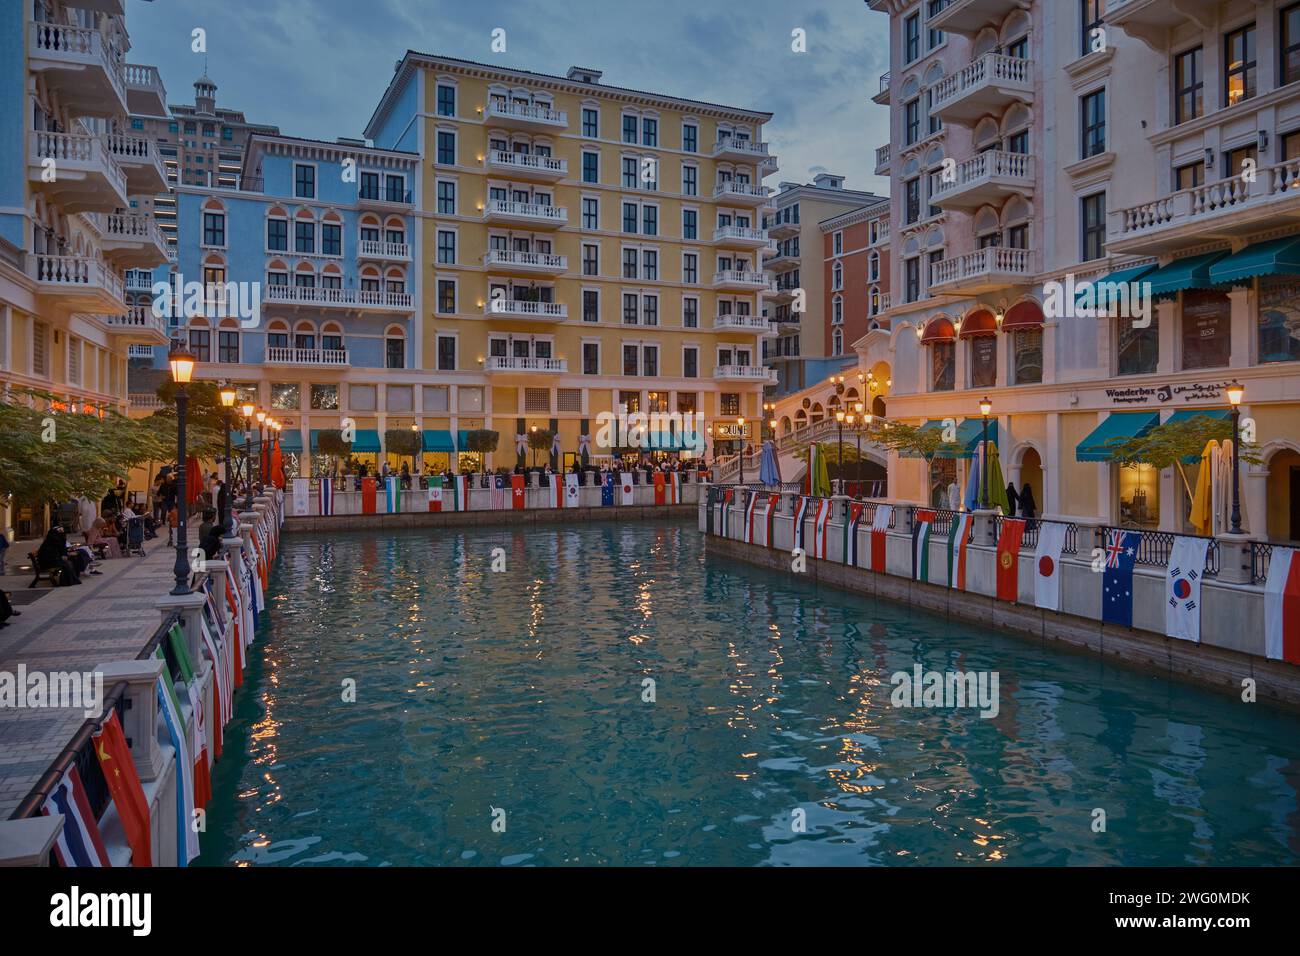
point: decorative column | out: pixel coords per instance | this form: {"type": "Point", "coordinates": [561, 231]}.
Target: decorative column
{"type": "Point", "coordinates": [140, 716]}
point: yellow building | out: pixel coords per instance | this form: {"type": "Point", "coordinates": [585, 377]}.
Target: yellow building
{"type": "Point", "coordinates": [585, 248]}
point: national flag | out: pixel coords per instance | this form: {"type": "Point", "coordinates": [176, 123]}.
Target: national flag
{"type": "Point", "coordinates": [79, 842]}
{"type": "Point", "coordinates": [571, 499]}
{"type": "Point", "coordinates": [626, 496]}
{"type": "Point", "coordinates": [393, 487]}
{"type": "Point", "coordinates": [800, 515]}
{"type": "Point", "coordinates": [1013, 532]}
{"type": "Point", "coordinates": [661, 488]}
{"type": "Point", "coordinates": [922, 520]}
{"type": "Point", "coordinates": [325, 495]}
{"type": "Point", "coordinates": [198, 712]}
{"type": "Point", "coordinates": [821, 528]}
{"type": "Point", "coordinates": [1047, 565]}
{"type": "Point", "coordinates": [301, 490]}
{"type": "Point", "coordinates": [187, 841]}
{"type": "Point", "coordinates": [518, 494]}
{"type": "Point", "coordinates": [879, 530]}
{"type": "Point", "coordinates": [751, 510]}
{"type": "Point", "coordinates": [770, 520]}
{"type": "Point", "coordinates": [607, 489]}
{"type": "Point", "coordinates": [555, 490]}
{"type": "Point", "coordinates": [851, 534]}
{"type": "Point", "coordinates": [367, 496]}
{"type": "Point", "coordinates": [674, 488]}
{"type": "Point", "coordinates": [220, 686]}
{"type": "Point", "coordinates": [1282, 606]}
{"type": "Point", "coordinates": [124, 784]}
{"type": "Point", "coordinates": [460, 492]}
{"type": "Point", "coordinates": [727, 497]}
{"type": "Point", "coordinates": [1183, 587]}
{"type": "Point", "coordinates": [1117, 577]}
{"type": "Point", "coordinates": [500, 493]}
{"type": "Point", "coordinates": [435, 493]}
{"type": "Point", "coordinates": [958, 535]}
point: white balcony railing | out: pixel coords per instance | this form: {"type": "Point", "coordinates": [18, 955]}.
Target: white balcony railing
{"type": "Point", "coordinates": [141, 77]}
{"type": "Point", "coordinates": [511, 258]}
{"type": "Point", "coordinates": [513, 363]}
{"type": "Point", "coordinates": [527, 210]}
{"type": "Point", "coordinates": [376, 249]}
{"type": "Point", "coordinates": [530, 112]}
{"type": "Point", "coordinates": [992, 69]}
{"type": "Point", "coordinates": [734, 190]}
{"type": "Point", "coordinates": [57, 41]}
{"type": "Point", "coordinates": [747, 147]}
{"type": "Point", "coordinates": [528, 162]}
{"type": "Point", "coordinates": [319, 295]}
{"type": "Point", "coordinates": [743, 277]}
{"type": "Point", "coordinates": [742, 323]}
{"type": "Point", "coordinates": [75, 273]}
{"type": "Point", "coordinates": [527, 310]}
{"type": "Point", "coordinates": [281, 355]}
{"type": "Point", "coordinates": [752, 373]}
{"type": "Point", "coordinates": [991, 166]}
{"type": "Point", "coordinates": [882, 156]}
{"type": "Point", "coordinates": [132, 226]}
{"type": "Point", "coordinates": [79, 150]}
{"type": "Point", "coordinates": [984, 264]}
{"type": "Point", "coordinates": [739, 234]}
{"type": "Point", "coordinates": [141, 318]}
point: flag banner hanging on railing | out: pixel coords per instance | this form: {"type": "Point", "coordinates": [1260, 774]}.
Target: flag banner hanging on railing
{"type": "Point", "coordinates": [1282, 606]}
{"type": "Point", "coordinates": [220, 687]}
{"type": "Point", "coordinates": [751, 512]}
{"type": "Point", "coordinates": [821, 529]}
{"type": "Point", "coordinates": [325, 495]}
{"type": "Point", "coordinates": [674, 488]}
{"type": "Point", "coordinates": [661, 488]}
{"type": "Point", "coordinates": [393, 494]}
{"type": "Point", "coordinates": [800, 515]}
{"type": "Point", "coordinates": [879, 531]}
{"type": "Point", "coordinates": [518, 492]}
{"type": "Point", "coordinates": [727, 497]}
{"type": "Point", "coordinates": [301, 505]}
{"type": "Point", "coordinates": [571, 490]}
{"type": "Point", "coordinates": [626, 494]}
{"type": "Point", "coordinates": [769, 520]}
{"type": "Point", "coordinates": [555, 491]}
{"type": "Point", "coordinates": [124, 784]}
{"type": "Point", "coordinates": [958, 532]}
{"type": "Point", "coordinates": [459, 493]}
{"type": "Point", "coordinates": [607, 490]}
{"type": "Point", "coordinates": [187, 841]}
{"type": "Point", "coordinates": [368, 504]}
{"type": "Point", "coordinates": [1183, 587]}
{"type": "Point", "coordinates": [851, 534]}
{"type": "Point", "coordinates": [202, 778]}
{"type": "Point", "coordinates": [1117, 578]}
{"type": "Point", "coordinates": [500, 493]}
{"type": "Point", "coordinates": [435, 494]}
{"type": "Point", "coordinates": [922, 520]}
{"type": "Point", "coordinates": [1008, 555]}
{"type": "Point", "coordinates": [79, 842]}
{"type": "Point", "coordinates": [1047, 565]}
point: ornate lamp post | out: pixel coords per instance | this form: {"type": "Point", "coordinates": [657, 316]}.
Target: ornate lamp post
{"type": "Point", "coordinates": [851, 420]}
{"type": "Point", "coordinates": [534, 431]}
{"type": "Point", "coordinates": [986, 406]}
{"type": "Point", "coordinates": [181, 361]}
{"type": "Point", "coordinates": [1236, 391]}
{"type": "Point", "coordinates": [740, 437]}
{"type": "Point", "coordinates": [227, 403]}
{"type": "Point", "coordinates": [248, 410]}
{"type": "Point", "coordinates": [839, 427]}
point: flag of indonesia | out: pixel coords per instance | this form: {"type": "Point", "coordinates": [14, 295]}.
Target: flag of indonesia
{"type": "Point", "coordinates": [626, 497]}
{"type": "Point", "coordinates": [79, 842]}
{"type": "Point", "coordinates": [751, 509]}
{"type": "Point", "coordinates": [367, 496]}
{"type": "Point", "coordinates": [821, 524]}
{"type": "Point", "coordinates": [800, 515]}
{"type": "Point", "coordinates": [556, 491]}
{"type": "Point", "coordinates": [1013, 532]}
{"type": "Point", "coordinates": [879, 528]}
{"type": "Point", "coordinates": [326, 496]}
{"type": "Point", "coordinates": [1282, 607]}
{"type": "Point", "coordinates": [661, 488]}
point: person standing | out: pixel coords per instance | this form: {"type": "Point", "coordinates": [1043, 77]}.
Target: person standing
{"type": "Point", "coordinates": [1013, 499]}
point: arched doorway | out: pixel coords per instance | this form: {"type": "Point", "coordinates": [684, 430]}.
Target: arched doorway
{"type": "Point", "coordinates": [1283, 496]}
{"type": "Point", "coordinates": [878, 406]}
{"type": "Point", "coordinates": [1031, 474]}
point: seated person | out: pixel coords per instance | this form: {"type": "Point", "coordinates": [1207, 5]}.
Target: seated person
{"type": "Point", "coordinates": [210, 541]}
{"type": "Point", "coordinates": [209, 519]}
{"type": "Point", "coordinates": [53, 553]}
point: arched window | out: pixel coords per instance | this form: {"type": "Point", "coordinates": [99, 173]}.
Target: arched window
{"type": "Point", "coordinates": [395, 347]}
{"type": "Point", "coordinates": [873, 267]}
{"type": "Point", "coordinates": [837, 276]}
{"type": "Point", "coordinates": [837, 342]}
{"type": "Point", "coordinates": [331, 339]}
{"type": "Point", "coordinates": [304, 335]}
{"type": "Point", "coordinates": [837, 310]}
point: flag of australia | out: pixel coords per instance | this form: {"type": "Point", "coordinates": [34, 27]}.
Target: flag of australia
{"type": "Point", "coordinates": [607, 489]}
{"type": "Point", "coordinates": [1117, 576]}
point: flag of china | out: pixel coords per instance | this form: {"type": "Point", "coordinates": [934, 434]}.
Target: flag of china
{"type": "Point", "coordinates": [124, 784]}
{"type": "Point", "coordinates": [1013, 530]}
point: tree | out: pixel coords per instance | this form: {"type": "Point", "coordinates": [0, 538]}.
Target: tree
{"type": "Point", "coordinates": [403, 442]}
{"type": "Point", "coordinates": [481, 440]}
{"type": "Point", "coordinates": [910, 441]}
{"type": "Point", "coordinates": [1176, 445]}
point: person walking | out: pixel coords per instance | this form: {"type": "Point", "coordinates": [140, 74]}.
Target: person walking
{"type": "Point", "coordinates": [1013, 499]}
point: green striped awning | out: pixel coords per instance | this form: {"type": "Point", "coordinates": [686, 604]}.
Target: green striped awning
{"type": "Point", "coordinates": [970, 432]}
{"type": "Point", "coordinates": [366, 440]}
{"type": "Point", "coordinates": [291, 441]}
{"type": "Point", "coordinates": [1187, 414]}
{"type": "Point", "coordinates": [438, 439]}
{"type": "Point", "coordinates": [1103, 287]}
{"type": "Point", "coordinates": [1182, 274]}
{"type": "Point", "coordinates": [1118, 427]}
{"type": "Point", "coordinates": [1272, 258]}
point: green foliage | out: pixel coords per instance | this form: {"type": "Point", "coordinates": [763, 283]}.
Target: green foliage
{"type": "Point", "coordinates": [481, 440]}
{"type": "Point", "coordinates": [541, 439]}
{"type": "Point", "coordinates": [402, 441]}
{"type": "Point", "coordinates": [330, 442]}
{"type": "Point", "coordinates": [1169, 444]}
{"type": "Point", "coordinates": [912, 441]}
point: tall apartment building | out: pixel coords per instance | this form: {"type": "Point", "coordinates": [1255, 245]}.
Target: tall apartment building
{"type": "Point", "coordinates": [802, 351]}
{"type": "Point", "coordinates": [855, 271]}
{"type": "Point", "coordinates": [1144, 141]}
{"type": "Point", "coordinates": [590, 248]}
{"type": "Point", "coordinates": [201, 144]}
{"type": "Point", "coordinates": [71, 176]}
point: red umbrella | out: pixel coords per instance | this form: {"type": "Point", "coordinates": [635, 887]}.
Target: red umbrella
{"type": "Point", "coordinates": [277, 463]}
{"type": "Point", "coordinates": [193, 481]}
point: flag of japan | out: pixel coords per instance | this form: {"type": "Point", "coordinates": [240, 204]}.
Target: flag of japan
{"type": "Point", "coordinates": [1047, 565]}
{"type": "Point", "coordinates": [626, 493]}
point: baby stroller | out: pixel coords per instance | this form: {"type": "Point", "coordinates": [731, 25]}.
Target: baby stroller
{"type": "Point", "coordinates": [135, 536]}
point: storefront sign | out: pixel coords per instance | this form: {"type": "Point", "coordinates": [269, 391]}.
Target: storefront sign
{"type": "Point", "coordinates": [1163, 394]}
{"type": "Point", "coordinates": [728, 431]}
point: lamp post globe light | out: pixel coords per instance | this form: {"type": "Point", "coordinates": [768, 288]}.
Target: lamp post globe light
{"type": "Point", "coordinates": [248, 410]}
{"type": "Point", "coordinates": [986, 406]}
{"type": "Point", "coordinates": [181, 361]}
{"type": "Point", "coordinates": [740, 437]}
{"type": "Point", "coordinates": [1236, 391]}
{"type": "Point", "coordinates": [839, 427]}
{"type": "Point", "coordinates": [227, 403]}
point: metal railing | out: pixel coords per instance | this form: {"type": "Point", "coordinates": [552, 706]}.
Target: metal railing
{"type": "Point", "coordinates": [1155, 547]}
{"type": "Point", "coordinates": [1261, 555]}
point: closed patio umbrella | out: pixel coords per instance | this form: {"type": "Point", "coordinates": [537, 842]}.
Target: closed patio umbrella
{"type": "Point", "coordinates": [769, 471]}
{"type": "Point", "coordinates": [193, 480]}
{"type": "Point", "coordinates": [1202, 516]}
{"type": "Point", "coordinates": [997, 485]}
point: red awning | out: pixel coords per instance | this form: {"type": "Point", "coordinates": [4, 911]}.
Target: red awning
{"type": "Point", "coordinates": [939, 330]}
{"type": "Point", "coordinates": [979, 322]}
{"type": "Point", "coordinates": [1023, 315]}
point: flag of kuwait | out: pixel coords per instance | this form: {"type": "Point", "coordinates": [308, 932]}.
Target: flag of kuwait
{"type": "Point", "coordinates": [851, 534]}
{"type": "Point", "coordinates": [1282, 607]}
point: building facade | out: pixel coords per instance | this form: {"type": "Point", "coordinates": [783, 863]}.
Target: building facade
{"type": "Point", "coordinates": [590, 249]}
{"type": "Point", "coordinates": [855, 273]}
{"type": "Point", "coordinates": [802, 352]}
{"type": "Point", "coordinates": [1038, 145]}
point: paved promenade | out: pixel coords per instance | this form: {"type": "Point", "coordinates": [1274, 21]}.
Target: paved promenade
{"type": "Point", "coordinates": [108, 617]}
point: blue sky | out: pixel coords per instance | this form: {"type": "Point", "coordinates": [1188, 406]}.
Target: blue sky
{"type": "Point", "coordinates": [318, 67]}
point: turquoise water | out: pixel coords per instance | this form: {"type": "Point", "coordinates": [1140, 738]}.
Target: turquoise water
{"type": "Point", "coordinates": [522, 692]}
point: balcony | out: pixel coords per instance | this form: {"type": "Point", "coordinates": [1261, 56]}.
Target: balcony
{"type": "Point", "coordinates": [78, 283]}
{"type": "Point", "coordinates": [781, 295]}
{"type": "Point", "coordinates": [882, 160]}
{"type": "Point", "coordinates": [968, 17]}
{"type": "Point", "coordinates": [358, 300]}
{"type": "Point", "coordinates": [987, 177]}
{"type": "Point", "coordinates": [145, 94]}
{"type": "Point", "coordinates": [132, 240]}
{"type": "Point", "coordinates": [375, 249]}
{"type": "Point", "coordinates": [1151, 21]}
{"type": "Point", "coordinates": [989, 85]}
{"type": "Point", "coordinates": [739, 150]}
{"type": "Point", "coordinates": [282, 355]}
{"type": "Point", "coordinates": [525, 115]}
{"type": "Point", "coordinates": [782, 230]}
{"type": "Point", "coordinates": [985, 270]}
{"type": "Point", "coordinates": [743, 323]}
{"type": "Point", "coordinates": [80, 175]}
{"type": "Point", "coordinates": [882, 97]}
{"type": "Point", "coordinates": [139, 160]}
{"type": "Point", "coordinates": [140, 325]}
{"type": "Point", "coordinates": [508, 260]}
{"type": "Point", "coordinates": [1225, 209]}
{"type": "Point", "coordinates": [740, 194]}
{"type": "Point", "coordinates": [537, 215]}
{"type": "Point", "coordinates": [779, 260]}
{"type": "Point", "coordinates": [139, 280]}
{"type": "Point", "coordinates": [514, 363]}
{"type": "Point", "coordinates": [81, 68]}
{"type": "Point", "coordinates": [516, 309]}
{"type": "Point", "coordinates": [745, 373]}
{"type": "Point", "coordinates": [743, 280]}
{"type": "Point", "coordinates": [114, 8]}
{"type": "Point", "coordinates": [381, 199]}
{"type": "Point", "coordinates": [743, 236]}
{"type": "Point", "coordinates": [526, 165]}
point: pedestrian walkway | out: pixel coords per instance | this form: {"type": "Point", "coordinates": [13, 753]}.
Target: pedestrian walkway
{"type": "Point", "coordinates": [108, 617]}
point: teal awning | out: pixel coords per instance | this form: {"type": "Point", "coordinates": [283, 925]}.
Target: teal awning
{"type": "Point", "coordinates": [970, 432]}
{"type": "Point", "coordinates": [1102, 287]}
{"type": "Point", "coordinates": [1181, 274]}
{"type": "Point", "coordinates": [237, 438]}
{"type": "Point", "coordinates": [1187, 414]}
{"type": "Point", "coordinates": [291, 441]}
{"type": "Point", "coordinates": [462, 440]}
{"type": "Point", "coordinates": [1273, 258]}
{"type": "Point", "coordinates": [367, 442]}
{"type": "Point", "coordinates": [1118, 427]}
{"type": "Point", "coordinates": [438, 439]}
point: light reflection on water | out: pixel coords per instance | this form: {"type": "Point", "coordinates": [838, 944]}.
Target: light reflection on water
{"type": "Point", "coordinates": [523, 691]}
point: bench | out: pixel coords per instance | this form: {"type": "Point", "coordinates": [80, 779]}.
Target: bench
{"type": "Point", "coordinates": [52, 574]}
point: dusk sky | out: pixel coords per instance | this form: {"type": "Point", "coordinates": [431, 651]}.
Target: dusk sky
{"type": "Point", "coordinates": [318, 68]}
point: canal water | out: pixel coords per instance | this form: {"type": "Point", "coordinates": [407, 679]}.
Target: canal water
{"type": "Point", "coordinates": [505, 718]}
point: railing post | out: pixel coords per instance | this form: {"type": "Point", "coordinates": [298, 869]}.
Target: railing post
{"type": "Point", "coordinates": [1234, 558]}
{"type": "Point", "coordinates": [140, 716]}
{"type": "Point", "coordinates": [28, 841]}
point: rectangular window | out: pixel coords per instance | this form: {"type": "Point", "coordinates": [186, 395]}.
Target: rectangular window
{"type": "Point", "coordinates": [729, 403]}
{"type": "Point", "coordinates": [912, 121]}
{"type": "Point", "coordinates": [590, 358]}
{"type": "Point", "coordinates": [649, 132]}
{"type": "Point", "coordinates": [446, 246]}
{"type": "Point", "coordinates": [446, 100]}
{"type": "Point", "coordinates": [1189, 85]}
{"type": "Point", "coordinates": [1138, 349]}
{"type": "Point", "coordinates": [446, 353]}
{"type": "Point", "coordinates": [590, 123]}
{"type": "Point", "coordinates": [630, 356]}
{"type": "Point", "coordinates": [331, 239]}
{"type": "Point", "coordinates": [1274, 334]}
{"type": "Point", "coordinates": [629, 172]}
{"type": "Point", "coordinates": [591, 167]}
{"type": "Point", "coordinates": [650, 220]}
{"type": "Point", "coordinates": [690, 227]}
{"type": "Point", "coordinates": [1207, 329]}
{"type": "Point", "coordinates": [1092, 216]}
{"type": "Point", "coordinates": [369, 186]}
{"type": "Point", "coordinates": [214, 229]}
{"type": "Point", "coordinates": [1091, 14]}
{"type": "Point", "coordinates": [1290, 44]}
{"type": "Point", "coordinates": [629, 129]}
{"type": "Point", "coordinates": [690, 268]}
{"type": "Point", "coordinates": [304, 181]}
{"type": "Point", "coordinates": [1092, 115]}
{"type": "Point", "coordinates": [1239, 65]}
{"type": "Point", "coordinates": [277, 235]}
{"type": "Point", "coordinates": [1234, 160]}
{"type": "Point", "coordinates": [1018, 142]}
{"type": "Point", "coordinates": [650, 309]}
{"type": "Point", "coordinates": [200, 345]}
{"type": "Point", "coordinates": [911, 38]}
{"type": "Point", "coordinates": [912, 200]}
{"type": "Point", "coordinates": [690, 362]}
{"type": "Point", "coordinates": [446, 147]}
{"type": "Point", "coordinates": [590, 305]}
{"type": "Point", "coordinates": [649, 264]}
{"type": "Point", "coordinates": [631, 304]}
{"type": "Point", "coordinates": [629, 217]}
{"type": "Point", "coordinates": [630, 260]}
{"type": "Point", "coordinates": [227, 346]}
{"type": "Point", "coordinates": [590, 213]}
{"type": "Point", "coordinates": [304, 236]}
{"type": "Point", "coordinates": [446, 296]}
{"type": "Point", "coordinates": [932, 9]}
{"type": "Point", "coordinates": [690, 313]}
{"type": "Point", "coordinates": [446, 198]}
{"type": "Point", "coordinates": [394, 353]}
{"type": "Point", "coordinates": [590, 259]}
{"type": "Point", "coordinates": [650, 361]}
{"type": "Point", "coordinates": [1027, 357]}
{"type": "Point", "coordinates": [690, 138]}
{"type": "Point", "coordinates": [690, 181]}
{"type": "Point", "coordinates": [943, 366]}
{"type": "Point", "coordinates": [912, 279]}
{"type": "Point", "coordinates": [1189, 176]}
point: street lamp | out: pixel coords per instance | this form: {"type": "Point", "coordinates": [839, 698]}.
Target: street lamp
{"type": "Point", "coordinates": [839, 424]}
{"type": "Point", "coordinates": [986, 406]}
{"type": "Point", "coordinates": [740, 437]}
{"type": "Point", "coordinates": [534, 448]}
{"type": "Point", "coordinates": [851, 420]}
{"type": "Point", "coordinates": [181, 361]}
{"type": "Point", "coordinates": [227, 403]}
{"type": "Point", "coordinates": [1235, 393]}
{"type": "Point", "coordinates": [248, 410]}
